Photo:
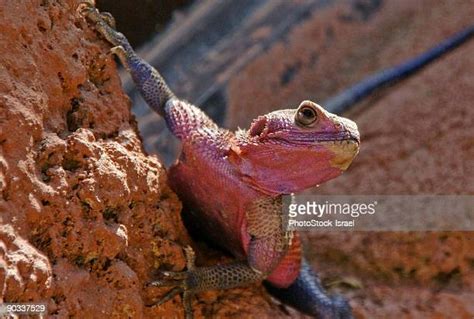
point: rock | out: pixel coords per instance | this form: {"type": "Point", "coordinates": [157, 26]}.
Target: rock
{"type": "Point", "coordinates": [86, 216]}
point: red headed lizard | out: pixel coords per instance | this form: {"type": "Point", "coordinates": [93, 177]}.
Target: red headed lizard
{"type": "Point", "coordinates": [233, 183]}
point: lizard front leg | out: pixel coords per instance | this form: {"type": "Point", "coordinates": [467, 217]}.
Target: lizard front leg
{"type": "Point", "coordinates": [150, 83]}
{"type": "Point", "coordinates": [267, 246]}
{"type": "Point", "coordinates": [182, 118]}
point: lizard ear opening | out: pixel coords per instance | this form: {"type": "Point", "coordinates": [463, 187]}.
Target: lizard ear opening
{"type": "Point", "coordinates": [258, 127]}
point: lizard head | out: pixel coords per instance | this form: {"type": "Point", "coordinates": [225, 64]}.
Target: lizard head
{"type": "Point", "coordinates": [291, 150]}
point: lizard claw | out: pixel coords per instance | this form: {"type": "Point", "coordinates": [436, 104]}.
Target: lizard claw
{"type": "Point", "coordinates": [178, 280]}
{"type": "Point", "coordinates": [87, 10]}
{"type": "Point", "coordinates": [84, 7]}
{"type": "Point", "coordinates": [104, 23]}
{"type": "Point", "coordinates": [108, 18]}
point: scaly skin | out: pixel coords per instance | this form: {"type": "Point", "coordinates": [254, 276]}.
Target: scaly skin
{"type": "Point", "coordinates": [234, 184]}
{"type": "Point", "coordinates": [357, 92]}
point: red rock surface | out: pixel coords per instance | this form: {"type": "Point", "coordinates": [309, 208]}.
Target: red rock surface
{"type": "Point", "coordinates": [417, 138]}
{"type": "Point", "coordinates": [86, 216]}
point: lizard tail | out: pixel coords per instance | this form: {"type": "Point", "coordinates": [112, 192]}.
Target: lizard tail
{"type": "Point", "coordinates": [352, 95]}
{"type": "Point", "coordinates": [307, 295]}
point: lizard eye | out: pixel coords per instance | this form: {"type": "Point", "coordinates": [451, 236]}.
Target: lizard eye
{"type": "Point", "coordinates": [306, 115]}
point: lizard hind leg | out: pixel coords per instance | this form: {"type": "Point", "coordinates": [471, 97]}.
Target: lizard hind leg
{"type": "Point", "coordinates": [196, 279]}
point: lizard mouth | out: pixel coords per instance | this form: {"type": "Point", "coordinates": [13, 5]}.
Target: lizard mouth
{"type": "Point", "coordinates": [347, 137]}
{"type": "Point", "coordinates": [260, 129]}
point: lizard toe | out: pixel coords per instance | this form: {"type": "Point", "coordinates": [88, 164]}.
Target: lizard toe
{"type": "Point", "coordinates": [108, 18]}
{"type": "Point", "coordinates": [180, 281]}
{"type": "Point", "coordinates": [84, 8]}
{"type": "Point", "coordinates": [183, 282]}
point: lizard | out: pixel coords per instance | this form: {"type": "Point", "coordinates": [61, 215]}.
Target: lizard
{"type": "Point", "coordinates": [239, 199]}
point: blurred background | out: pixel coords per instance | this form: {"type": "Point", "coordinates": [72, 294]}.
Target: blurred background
{"type": "Point", "coordinates": [240, 59]}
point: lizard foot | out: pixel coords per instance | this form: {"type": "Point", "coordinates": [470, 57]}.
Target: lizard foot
{"type": "Point", "coordinates": [104, 23]}
{"type": "Point", "coordinates": [109, 19]}
{"type": "Point", "coordinates": [182, 282]}
{"type": "Point", "coordinates": [148, 80]}
{"type": "Point", "coordinates": [87, 9]}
